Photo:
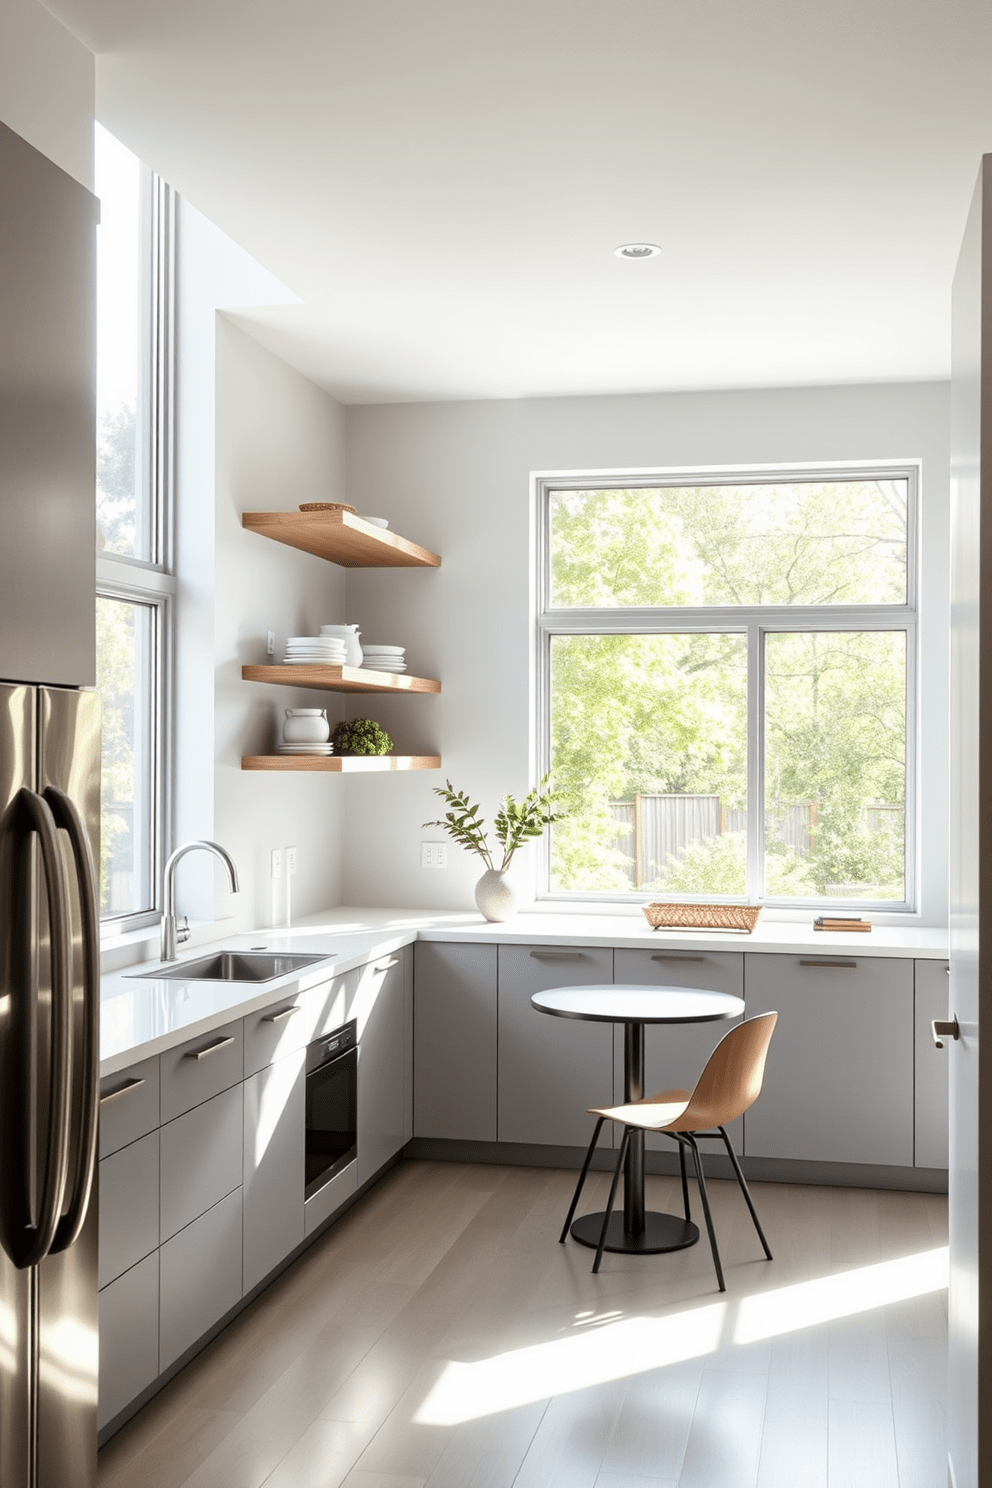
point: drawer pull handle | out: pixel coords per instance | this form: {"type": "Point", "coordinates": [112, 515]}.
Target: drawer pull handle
{"type": "Point", "coordinates": [282, 1013]}
{"type": "Point", "coordinates": [558, 955]}
{"type": "Point", "coordinates": [833, 965]}
{"type": "Point", "coordinates": [673, 956]}
{"type": "Point", "coordinates": [113, 1095]}
{"type": "Point", "coordinates": [210, 1049]}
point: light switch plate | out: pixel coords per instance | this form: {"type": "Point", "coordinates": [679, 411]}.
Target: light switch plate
{"type": "Point", "coordinates": [433, 855]}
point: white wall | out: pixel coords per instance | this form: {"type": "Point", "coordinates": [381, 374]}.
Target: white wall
{"type": "Point", "coordinates": [251, 434]}
{"type": "Point", "coordinates": [47, 86]}
{"type": "Point", "coordinates": [456, 477]}
{"type": "Point", "coordinates": [280, 441]}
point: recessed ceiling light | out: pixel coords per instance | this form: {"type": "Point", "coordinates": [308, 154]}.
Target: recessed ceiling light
{"type": "Point", "coordinates": [637, 250]}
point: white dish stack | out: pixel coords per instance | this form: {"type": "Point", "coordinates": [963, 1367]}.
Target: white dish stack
{"type": "Point", "coordinates": [314, 651]}
{"type": "Point", "coordinates": [385, 658]}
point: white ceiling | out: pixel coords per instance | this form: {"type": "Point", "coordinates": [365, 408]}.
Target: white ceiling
{"type": "Point", "coordinates": [443, 182]}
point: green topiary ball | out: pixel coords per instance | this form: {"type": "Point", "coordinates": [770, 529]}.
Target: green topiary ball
{"type": "Point", "coordinates": [361, 736]}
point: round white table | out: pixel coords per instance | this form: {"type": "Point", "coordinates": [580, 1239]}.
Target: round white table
{"type": "Point", "coordinates": [636, 1231]}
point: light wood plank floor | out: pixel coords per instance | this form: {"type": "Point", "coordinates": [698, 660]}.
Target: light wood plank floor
{"type": "Point", "coordinates": [439, 1337]}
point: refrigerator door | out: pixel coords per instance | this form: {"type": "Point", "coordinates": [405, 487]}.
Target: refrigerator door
{"type": "Point", "coordinates": [69, 780]}
{"type": "Point", "coordinates": [18, 743]}
{"type": "Point", "coordinates": [47, 420]}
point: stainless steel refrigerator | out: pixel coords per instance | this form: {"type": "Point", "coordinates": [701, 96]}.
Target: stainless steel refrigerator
{"type": "Point", "coordinates": [49, 826]}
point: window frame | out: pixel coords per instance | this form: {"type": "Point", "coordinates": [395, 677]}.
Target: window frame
{"type": "Point", "coordinates": [153, 581]}
{"type": "Point", "coordinates": [753, 621]}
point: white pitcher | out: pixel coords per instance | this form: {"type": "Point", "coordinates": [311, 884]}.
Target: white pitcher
{"type": "Point", "coordinates": [349, 634]}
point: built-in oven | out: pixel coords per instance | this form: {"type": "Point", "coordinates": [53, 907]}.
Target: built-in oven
{"type": "Point", "coordinates": [332, 1105]}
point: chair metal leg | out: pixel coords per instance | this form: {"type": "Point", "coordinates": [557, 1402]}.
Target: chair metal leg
{"type": "Point", "coordinates": [582, 1178]}
{"type": "Point", "coordinates": [685, 1183]}
{"type": "Point", "coordinates": [624, 1143]}
{"type": "Point", "coordinates": [704, 1198]}
{"type": "Point", "coordinates": [745, 1190]}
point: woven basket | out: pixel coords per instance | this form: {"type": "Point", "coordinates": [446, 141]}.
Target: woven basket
{"type": "Point", "coordinates": [702, 916]}
{"type": "Point", "coordinates": [325, 506]}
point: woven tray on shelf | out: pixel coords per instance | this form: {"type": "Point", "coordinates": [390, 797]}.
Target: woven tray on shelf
{"type": "Point", "coordinates": [702, 916]}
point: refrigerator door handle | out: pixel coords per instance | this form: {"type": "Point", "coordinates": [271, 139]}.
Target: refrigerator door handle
{"type": "Point", "coordinates": [27, 1240]}
{"type": "Point", "coordinates": [87, 1059]}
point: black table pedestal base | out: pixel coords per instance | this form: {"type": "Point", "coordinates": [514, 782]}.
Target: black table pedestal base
{"type": "Point", "coordinates": [661, 1232]}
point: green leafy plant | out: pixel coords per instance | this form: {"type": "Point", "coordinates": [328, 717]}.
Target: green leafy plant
{"type": "Point", "coordinates": [361, 736]}
{"type": "Point", "coordinates": [514, 823]}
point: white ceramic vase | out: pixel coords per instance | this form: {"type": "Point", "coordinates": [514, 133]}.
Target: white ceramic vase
{"type": "Point", "coordinates": [306, 726]}
{"type": "Point", "coordinates": [496, 896]}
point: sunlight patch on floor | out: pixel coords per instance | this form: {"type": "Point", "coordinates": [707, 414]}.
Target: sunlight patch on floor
{"type": "Point", "coordinates": [614, 1350]}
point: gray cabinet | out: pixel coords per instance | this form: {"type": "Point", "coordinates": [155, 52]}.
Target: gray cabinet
{"type": "Point", "coordinates": [128, 1337]}
{"type": "Point", "coordinates": [381, 1062]}
{"type": "Point", "coordinates": [205, 1066]}
{"type": "Point", "coordinates": [200, 1277]}
{"type": "Point", "coordinates": [274, 1101]}
{"type": "Point", "coordinates": [930, 1114]}
{"type": "Point", "coordinates": [454, 1041]}
{"type": "Point", "coordinates": [839, 1079]}
{"type": "Point", "coordinates": [128, 1105]}
{"type": "Point", "coordinates": [201, 1159]}
{"type": "Point", "coordinates": [550, 1069]}
{"type": "Point", "coordinates": [674, 1055]}
{"type": "Point", "coordinates": [128, 1203]}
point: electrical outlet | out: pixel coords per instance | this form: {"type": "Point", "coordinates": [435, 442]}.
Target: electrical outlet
{"type": "Point", "coordinates": [433, 855]}
{"type": "Point", "coordinates": [290, 861]}
{"type": "Point", "coordinates": [277, 862]}
{"type": "Point", "coordinates": [270, 643]}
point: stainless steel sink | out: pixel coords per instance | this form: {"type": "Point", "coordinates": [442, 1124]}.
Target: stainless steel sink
{"type": "Point", "coordinates": [232, 966]}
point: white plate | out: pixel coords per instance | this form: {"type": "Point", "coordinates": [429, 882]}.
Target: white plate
{"type": "Point", "coordinates": [385, 650]}
{"type": "Point", "coordinates": [306, 748]}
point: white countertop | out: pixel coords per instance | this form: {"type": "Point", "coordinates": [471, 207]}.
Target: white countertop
{"type": "Point", "coordinates": [142, 1015]}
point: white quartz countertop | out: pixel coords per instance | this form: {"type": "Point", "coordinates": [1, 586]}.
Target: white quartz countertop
{"type": "Point", "coordinates": [142, 1016]}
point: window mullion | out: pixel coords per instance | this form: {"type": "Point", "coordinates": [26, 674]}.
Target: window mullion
{"type": "Point", "coordinates": [755, 762]}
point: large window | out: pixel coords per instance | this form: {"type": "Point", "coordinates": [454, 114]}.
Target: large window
{"type": "Point", "coordinates": [727, 685]}
{"type": "Point", "coordinates": [135, 582]}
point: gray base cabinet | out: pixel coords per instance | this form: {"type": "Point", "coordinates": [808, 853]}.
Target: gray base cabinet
{"type": "Point", "coordinates": [839, 1078]}
{"type": "Point", "coordinates": [674, 1056]}
{"type": "Point", "coordinates": [382, 1085]}
{"type": "Point", "coordinates": [930, 1133]}
{"type": "Point", "coordinates": [274, 1178]}
{"type": "Point", "coordinates": [129, 1309]}
{"type": "Point", "coordinates": [200, 1277]}
{"type": "Point", "coordinates": [454, 1041]}
{"type": "Point", "coordinates": [550, 1069]}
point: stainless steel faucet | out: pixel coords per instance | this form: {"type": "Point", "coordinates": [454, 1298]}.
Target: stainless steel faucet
{"type": "Point", "coordinates": [170, 934]}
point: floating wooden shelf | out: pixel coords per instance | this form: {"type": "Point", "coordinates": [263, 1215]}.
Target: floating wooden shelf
{"type": "Point", "coordinates": [341, 764]}
{"type": "Point", "coordinates": [341, 537]}
{"type": "Point", "coordinates": [339, 679]}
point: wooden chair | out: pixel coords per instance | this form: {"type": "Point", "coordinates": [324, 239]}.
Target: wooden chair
{"type": "Point", "coordinates": [728, 1085]}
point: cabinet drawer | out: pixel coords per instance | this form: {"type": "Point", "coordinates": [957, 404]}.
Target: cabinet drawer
{"type": "Point", "coordinates": [331, 1004]}
{"type": "Point", "coordinates": [201, 1160]}
{"type": "Point", "coordinates": [322, 1204]}
{"type": "Point", "coordinates": [550, 1069]}
{"type": "Point", "coordinates": [128, 1206]}
{"type": "Point", "coordinates": [274, 1165]}
{"type": "Point", "coordinates": [454, 1033]}
{"type": "Point", "coordinates": [930, 1115]}
{"type": "Point", "coordinates": [128, 1105]}
{"type": "Point", "coordinates": [674, 1055]}
{"type": "Point", "coordinates": [838, 1084]}
{"type": "Point", "coordinates": [200, 1277]}
{"type": "Point", "coordinates": [273, 1032]}
{"type": "Point", "coordinates": [128, 1337]}
{"type": "Point", "coordinates": [202, 1068]}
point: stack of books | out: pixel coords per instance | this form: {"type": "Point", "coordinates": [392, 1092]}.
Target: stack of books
{"type": "Point", "coordinates": [834, 922]}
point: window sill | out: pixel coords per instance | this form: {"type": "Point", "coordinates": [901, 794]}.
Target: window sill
{"type": "Point", "coordinates": [136, 946]}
